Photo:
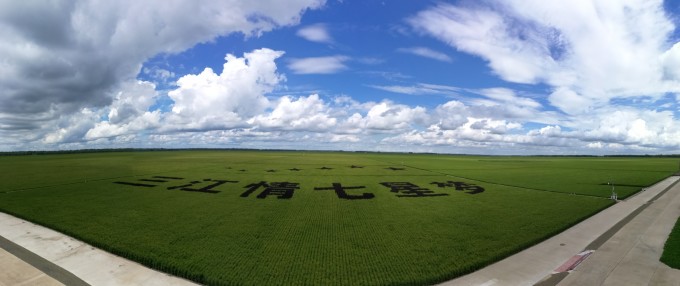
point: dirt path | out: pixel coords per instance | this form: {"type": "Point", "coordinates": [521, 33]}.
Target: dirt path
{"type": "Point", "coordinates": [88, 264]}
{"type": "Point", "coordinates": [537, 263]}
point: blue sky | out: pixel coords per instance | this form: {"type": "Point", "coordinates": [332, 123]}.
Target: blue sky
{"type": "Point", "coordinates": [480, 77]}
{"type": "Point", "coordinates": [377, 47]}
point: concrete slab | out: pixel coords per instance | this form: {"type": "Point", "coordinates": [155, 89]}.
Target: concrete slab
{"type": "Point", "coordinates": [536, 263]}
{"type": "Point", "coordinates": [16, 272]}
{"type": "Point", "coordinates": [92, 265]}
{"type": "Point", "coordinates": [631, 256]}
{"type": "Point", "coordinates": [665, 276]}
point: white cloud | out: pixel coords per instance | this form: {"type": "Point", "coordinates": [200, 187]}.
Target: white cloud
{"type": "Point", "coordinates": [315, 33]}
{"type": "Point", "coordinates": [318, 65]}
{"type": "Point", "coordinates": [616, 49]}
{"type": "Point", "coordinates": [457, 127]}
{"type": "Point", "coordinates": [128, 113]}
{"type": "Point", "coordinates": [427, 53]}
{"type": "Point", "coordinates": [548, 131]}
{"type": "Point", "coordinates": [217, 101]}
{"type": "Point", "coordinates": [68, 80]}
{"type": "Point", "coordinates": [58, 57]}
{"type": "Point", "coordinates": [344, 138]}
{"type": "Point", "coordinates": [391, 76]}
{"type": "Point", "coordinates": [570, 102]}
{"type": "Point", "coordinates": [132, 100]}
{"type": "Point", "coordinates": [159, 75]}
{"type": "Point", "coordinates": [476, 133]}
{"type": "Point", "coordinates": [387, 116]}
{"type": "Point", "coordinates": [496, 102]}
{"type": "Point", "coordinates": [671, 62]}
{"type": "Point", "coordinates": [628, 126]}
{"type": "Point", "coordinates": [451, 115]}
{"type": "Point", "coordinates": [69, 129]}
{"type": "Point", "coordinates": [508, 96]}
{"type": "Point", "coordinates": [482, 32]}
{"type": "Point", "coordinates": [304, 114]}
{"type": "Point", "coordinates": [106, 129]}
{"type": "Point", "coordinates": [420, 89]}
{"type": "Point", "coordinates": [620, 128]}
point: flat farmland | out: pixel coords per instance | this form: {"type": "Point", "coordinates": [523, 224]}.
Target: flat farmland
{"type": "Point", "coordinates": [255, 217]}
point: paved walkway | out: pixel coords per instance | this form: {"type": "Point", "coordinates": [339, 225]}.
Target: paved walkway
{"type": "Point", "coordinates": [538, 262]}
{"type": "Point", "coordinates": [16, 272]}
{"type": "Point", "coordinates": [27, 267]}
{"type": "Point", "coordinates": [631, 256]}
{"type": "Point", "coordinates": [92, 265]}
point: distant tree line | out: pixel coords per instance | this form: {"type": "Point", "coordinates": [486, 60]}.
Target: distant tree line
{"type": "Point", "coordinates": [81, 151]}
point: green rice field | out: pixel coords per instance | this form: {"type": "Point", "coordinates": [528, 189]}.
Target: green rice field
{"type": "Point", "coordinates": [321, 218]}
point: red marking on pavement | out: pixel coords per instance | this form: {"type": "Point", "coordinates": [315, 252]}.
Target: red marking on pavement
{"type": "Point", "coordinates": [573, 261]}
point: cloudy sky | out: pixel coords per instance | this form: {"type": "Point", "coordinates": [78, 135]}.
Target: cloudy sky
{"type": "Point", "coordinates": [482, 77]}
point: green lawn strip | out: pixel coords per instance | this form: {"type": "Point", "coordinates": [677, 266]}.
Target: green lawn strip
{"type": "Point", "coordinates": [671, 250]}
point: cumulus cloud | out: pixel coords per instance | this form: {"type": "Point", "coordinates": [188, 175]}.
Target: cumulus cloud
{"type": "Point", "coordinates": [389, 117]}
{"type": "Point", "coordinates": [457, 126]}
{"type": "Point", "coordinates": [68, 79]}
{"type": "Point", "coordinates": [602, 56]}
{"type": "Point", "coordinates": [344, 138]}
{"type": "Point", "coordinates": [491, 102]}
{"type": "Point", "coordinates": [427, 53]}
{"type": "Point", "coordinates": [106, 129]}
{"type": "Point", "coordinates": [304, 114]}
{"type": "Point", "coordinates": [212, 101]}
{"type": "Point", "coordinates": [315, 33]}
{"type": "Point", "coordinates": [475, 133]}
{"type": "Point", "coordinates": [132, 100]}
{"type": "Point", "coordinates": [70, 129]}
{"type": "Point", "coordinates": [319, 65]}
{"type": "Point", "coordinates": [59, 57]}
{"type": "Point", "coordinates": [628, 126]}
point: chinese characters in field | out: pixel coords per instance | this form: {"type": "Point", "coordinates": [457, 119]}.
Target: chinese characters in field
{"type": "Point", "coordinates": [282, 190]}
{"type": "Point", "coordinates": [204, 186]}
{"type": "Point", "coordinates": [340, 191]}
{"type": "Point", "coordinates": [286, 190]}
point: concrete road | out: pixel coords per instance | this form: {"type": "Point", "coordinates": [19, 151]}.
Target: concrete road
{"type": "Point", "coordinates": [538, 263]}
{"type": "Point", "coordinates": [89, 264]}
{"type": "Point", "coordinates": [631, 256]}
{"type": "Point", "coordinates": [15, 272]}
